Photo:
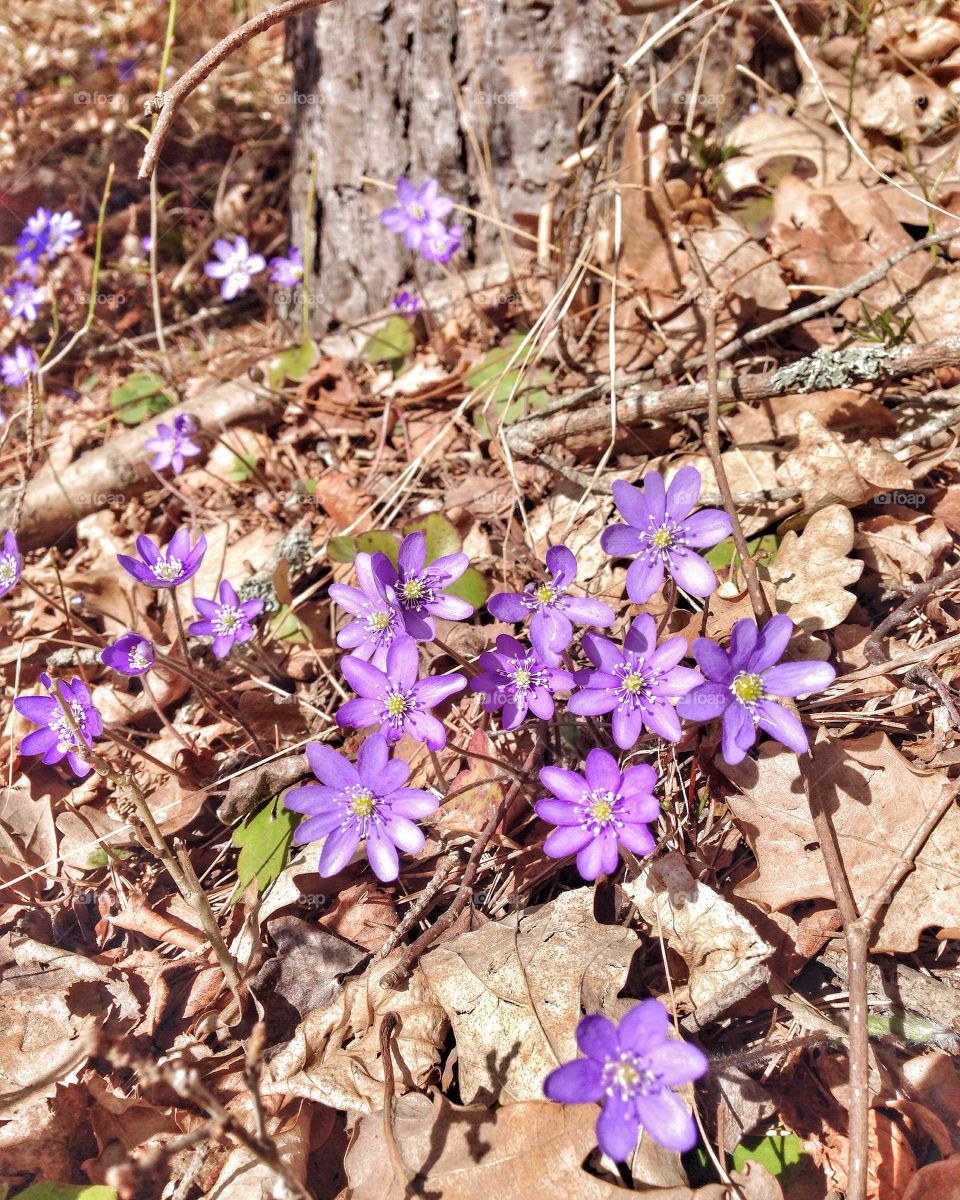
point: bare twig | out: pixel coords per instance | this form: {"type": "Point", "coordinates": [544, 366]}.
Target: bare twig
{"type": "Point", "coordinates": [400, 1169]}
{"type": "Point", "coordinates": [167, 103]}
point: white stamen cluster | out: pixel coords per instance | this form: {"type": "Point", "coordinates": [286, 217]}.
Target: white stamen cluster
{"type": "Point", "coordinates": [167, 569]}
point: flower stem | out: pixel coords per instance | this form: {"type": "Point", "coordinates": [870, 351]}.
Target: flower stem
{"type": "Point", "coordinates": [181, 632]}
{"type": "Point", "coordinates": [151, 696]}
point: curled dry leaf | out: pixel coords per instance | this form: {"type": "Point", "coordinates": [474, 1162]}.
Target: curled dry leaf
{"type": "Point", "coordinates": [334, 1056]}
{"type": "Point", "coordinates": [876, 801]}
{"type": "Point", "coordinates": [244, 1177]}
{"type": "Point", "coordinates": [935, 1181]}
{"type": "Point", "coordinates": [767, 142]}
{"type": "Point", "coordinates": [724, 953]}
{"type": "Point", "coordinates": [737, 265]}
{"type": "Point", "coordinates": [827, 469]}
{"type": "Point", "coordinates": [515, 990]}
{"type": "Point", "coordinates": [900, 550]}
{"type": "Point", "coordinates": [747, 471]}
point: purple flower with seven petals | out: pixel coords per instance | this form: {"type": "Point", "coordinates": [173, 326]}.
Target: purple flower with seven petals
{"type": "Point", "coordinates": [639, 683]}
{"type": "Point", "coordinates": [57, 739]}
{"type": "Point", "coordinates": [553, 610]}
{"type": "Point", "coordinates": [11, 563]}
{"type": "Point", "coordinates": [742, 680]}
{"type": "Point", "coordinates": [420, 212]}
{"type": "Point", "coordinates": [598, 812]}
{"type": "Point", "coordinates": [367, 802]}
{"type": "Point", "coordinates": [378, 618]}
{"type": "Point", "coordinates": [395, 699]}
{"type": "Point", "coordinates": [170, 446]}
{"type": "Point", "coordinates": [515, 679]}
{"type": "Point", "coordinates": [227, 621]}
{"type": "Point", "coordinates": [418, 585]}
{"type": "Point", "coordinates": [287, 270]}
{"type": "Point", "coordinates": [24, 299]}
{"type": "Point", "coordinates": [405, 303]}
{"type": "Point", "coordinates": [15, 367]}
{"type": "Point", "coordinates": [629, 1070]}
{"type": "Point", "coordinates": [236, 266]}
{"type": "Point", "coordinates": [660, 531]}
{"type": "Point", "coordinates": [166, 568]}
{"type": "Point", "coordinates": [130, 655]}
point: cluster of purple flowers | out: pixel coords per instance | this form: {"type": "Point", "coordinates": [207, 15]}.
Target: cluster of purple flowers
{"type": "Point", "coordinates": [419, 216]}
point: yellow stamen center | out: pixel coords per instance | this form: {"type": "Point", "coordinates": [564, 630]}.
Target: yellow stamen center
{"type": "Point", "coordinates": [521, 677]}
{"type": "Point", "coordinates": [748, 688]}
{"type": "Point", "coordinates": [412, 589]}
{"type": "Point", "coordinates": [601, 811]}
{"type": "Point", "coordinates": [663, 539]}
{"type": "Point", "coordinates": [396, 704]}
{"type": "Point", "coordinates": [363, 803]}
{"type": "Point", "coordinates": [545, 594]}
{"type": "Point", "coordinates": [634, 683]}
{"type": "Point", "coordinates": [379, 621]}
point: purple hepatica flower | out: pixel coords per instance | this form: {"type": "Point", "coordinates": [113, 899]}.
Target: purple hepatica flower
{"type": "Point", "coordinates": [420, 212]}
{"type": "Point", "coordinates": [15, 368]}
{"type": "Point", "coordinates": [638, 683]}
{"type": "Point", "coordinates": [553, 610]}
{"type": "Point", "coordinates": [127, 69]}
{"type": "Point", "coordinates": [287, 271]}
{"type": "Point", "coordinates": [236, 266]}
{"type": "Point", "coordinates": [660, 532]}
{"type": "Point", "coordinates": [629, 1071]}
{"type": "Point", "coordinates": [378, 618]}
{"type": "Point", "coordinates": [395, 699]}
{"type": "Point", "coordinates": [170, 446]}
{"type": "Point", "coordinates": [57, 739]}
{"type": "Point", "coordinates": [11, 563]}
{"type": "Point", "coordinates": [367, 802]}
{"type": "Point", "coordinates": [440, 243]}
{"type": "Point", "coordinates": [47, 234]}
{"type": "Point", "coordinates": [516, 679]}
{"type": "Point", "coordinates": [742, 680]}
{"type": "Point", "coordinates": [226, 621]}
{"type": "Point", "coordinates": [166, 568]}
{"type": "Point", "coordinates": [599, 811]}
{"type": "Point", "coordinates": [418, 586]}
{"type": "Point", "coordinates": [130, 655]}
{"type": "Point", "coordinates": [24, 299]}
{"type": "Point", "coordinates": [406, 304]}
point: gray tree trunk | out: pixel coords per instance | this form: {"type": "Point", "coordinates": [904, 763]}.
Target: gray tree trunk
{"type": "Point", "coordinates": [486, 95]}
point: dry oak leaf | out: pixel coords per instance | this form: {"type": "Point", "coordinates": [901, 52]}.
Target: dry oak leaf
{"type": "Point", "coordinates": [900, 550]}
{"type": "Point", "coordinates": [519, 1152]}
{"type": "Point", "coordinates": [876, 800]}
{"type": "Point", "coordinates": [826, 469]}
{"type": "Point", "coordinates": [515, 990]}
{"type": "Point", "coordinates": [811, 571]}
{"type": "Point", "coordinates": [334, 1056]}
{"type": "Point", "coordinates": [724, 954]}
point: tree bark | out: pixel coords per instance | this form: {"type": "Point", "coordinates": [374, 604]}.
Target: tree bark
{"type": "Point", "coordinates": [486, 95]}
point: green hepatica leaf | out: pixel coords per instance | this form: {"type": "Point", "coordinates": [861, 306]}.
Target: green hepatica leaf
{"type": "Point", "coordinates": [472, 587]}
{"type": "Point", "coordinates": [442, 536]}
{"type": "Point", "coordinates": [344, 549]}
{"type": "Point", "coordinates": [67, 1191]}
{"type": "Point", "coordinates": [495, 385]}
{"type": "Point", "coordinates": [391, 344]}
{"type": "Point", "coordinates": [287, 627]}
{"type": "Point", "coordinates": [264, 839]}
{"type": "Point", "coordinates": [243, 467]}
{"type": "Point", "coordinates": [783, 1156]}
{"type": "Point", "coordinates": [142, 395]}
{"type": "Point", "coordinates": [723, 553]}
{"type": "Point", "coordinates": [293, 364]}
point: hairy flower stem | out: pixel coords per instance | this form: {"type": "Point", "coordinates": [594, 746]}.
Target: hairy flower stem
{"type": "Point", "coordinates": [183, 876]}
{"type": "Point", "coordinates": [151, 696]}
{"type": "Point", "coordinates": [181, 632]}
{"type": "Point", "coordinates": [671, 604]}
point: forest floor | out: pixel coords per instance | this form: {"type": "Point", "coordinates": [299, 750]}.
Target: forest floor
{"type": "Point", "coordinates": [188, 1006]}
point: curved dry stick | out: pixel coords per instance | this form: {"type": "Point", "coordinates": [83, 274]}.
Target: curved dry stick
{"type": "Point", "coordinates": [167, 103]}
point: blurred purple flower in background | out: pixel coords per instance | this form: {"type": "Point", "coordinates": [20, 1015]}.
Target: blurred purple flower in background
{"type": "Point", "coordinates": [16, 367]}
{"type": "Point", "coordinates": [630, 1070]}
{"type": "Point", "coordinates": [363, 803]}
{"type": "Point", "coordinates": [287, 270]}
{"type": "Point", "coordinates": [25, 299]}
{"type": "Point", "coordinates": [11, 564]}
{"type": "Point", "coordinates": [235, 266]}
{"type": "Point", "coordinates": [406, 304]}
{"type": "Point", "coordinates": [170, 446]}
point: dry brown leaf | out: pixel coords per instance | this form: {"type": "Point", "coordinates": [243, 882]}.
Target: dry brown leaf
{"type": "Point", "coordinates": [28, 836]}
{"type": "Point", "coordinates": [515, 990]}
{"type": "Point", "coordinates": [841, 409]}
{"type": "Point", "coordinates": [474, 796]}
{"type": "Point", "coordinates": [935, 1181]}
{"type": "Point", "coordinates": [876, 800]}
{"type": "Point", "coordinates": [334, 1056]}
{"type": "Point", "coordinates": [766, 139]}
{"type": "Point", "coordinates": [935, 307]}
{"type": "Point", "coordinates": [901, 551]}
{"type": "Point", "coordinates": [245, 1177]}
{"type": "Point", "coordinates": [233, 557]}
{"type": "Point", "coordinates": [747, 471]}
{"type": "Point", "coordinates": [827, 469]}
{"type": "Point", "coordinates": [738, 266]}
{"type": "Point", "coordinates": [724, 953]}
{"type": "Point", "coordinates": [518, 1152]}
{"type": "Point", "coordinates": [811, 571]}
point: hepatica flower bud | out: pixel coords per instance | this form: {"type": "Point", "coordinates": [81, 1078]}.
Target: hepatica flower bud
{"type": "Point", "coordinates": [57, 738]}
{"type": "Point", "coordinates": [638, 683]}
{"type": "Point", "coordinates": [226, 620]}
{"type": "Point", "coordinates": [598, 812]}
{"type": "Point", "coordinates": [167, 568]}
{"type": "Point", "coordinates": [11, 563]}
{"type": "Point", "coordinates": [395, 699]}
{"type": "Point", "coordinates": [743, 683]}
{"type": "Point", "coordinates": [663, 535]}
{"type": "Point", "coordinates": [364, 803]}
{"type": "Point", "coordinates": [130, 655]}
{"type": "Point", "coordinates": [517, 679]}
{"type": "Point", "coordinates": [630, 1070]}
{"type": "Point", "coordinates": [551, 609]}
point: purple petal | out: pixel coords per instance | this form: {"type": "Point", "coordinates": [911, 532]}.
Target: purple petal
{"type": "Point", "coordinates": [450, 565]}
{"type": "Point", "coordinates": [578, 1082]}
{"type": "Point", "coordinates": [223, 644]}
{"type": "Point", "coordinates": [148, 550]}
{"type": "Point", "coordinates": [641, 637]}
{"type": "Point", "coordinates": [413, 803]}
{"type": "Point", "coordinates": [799, 678]}
{"type": "Point", "coordinates": [644, 577]}
{"type": "Point", "coordinates": [678, 681]}
{"type": "Point", "coordinates": [683, 493]}
{"type": "Point", "coordinates": [330, 767]}
{"type": "Point", "coordinates": [347, 597]}
{"type": "Point", "coordinates": [705, 702]}
{"type": "Point", "coordinates": [678, 1062]}
{"type": "Point", "coordinates": [507, 606]}
{"type": "Point", "coordinates": [662, 719]}
{"type": "Point", "coordinates": [426, 728]}
{"type": "Point", "coordinates": [562, 564]}
{"type": "Point", "coordinates": [771, 643]}
{"type": "Point", "coordinates": [597, 1037]}
{"type": "Point", "coordinates": [311, 798]}
{"type": "Point", "coordinates": [783, 725]}
{"type": "Point", "coordinates": [557, 812]}
{"type": "Point", "coordinates": [713, 661]}
{"type": "Point", "coordinates": [591, 702]}
{"type": "Point", "coordinates": [566, 785]}
{"type": "Point", "coordinates": [540, 703]}
{"type": "Point", "coordinates": [38, 742]}
{"type": "Point", "coordinates": [368, 680]}
{"type": "Point", "coordinates": [693, 573]}
{"type": "Point", "coordinates": [451, 608]}
{"type": "Point", "coordinates": [644, 1026]}
{"type": "Point", "coordinates": [633, 505]}
{"type": "Point", "coordinates": [666, 1118]}
{"type": "Point", "coordinates": [358, 714]}
{"type": "Point", "coordinates": [551, 633]}
{"type": "Point", "coordinates": [617, 1127]}
{"type": "Point", "coordinates": [434, 689]}
{"type": "Point", "coordinates": [382, 854]}
{"type": "Point", "coordinates": [743, 639]}
{"type": "Point", "coordinates": [315, 828]}
{"type": "Point", "coordinates": [206, 608]}
{"type": "Point", "coordinates": [620, 541]}
{"type": "Point", "coordinates": [590, 860]}
{"type": "Point", "coordinates": [601, 770]}
{"type": "Point", "coordinates": [739, 733]}
{"type": "Point", "coordinates": [403, 833]}
{"type": "Point", "coordinates": [707, 527]}
{"type": "Point", "coordinates": [585, 611]}
{"type": "Point", "coordinates": [38, 709]}
{"type": "Point", "coordinates": [338, 849]}
{"type": "Point", "coordinates": [403, 662]}
{"type": "Point", "coordinates": [566, 840]}
{"type": "Point", "coordinates": [601, 651]}
{"type": "Point", "coordinates": [637, 839]}
{"type": "Point", "coordinates": [626, 727]}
